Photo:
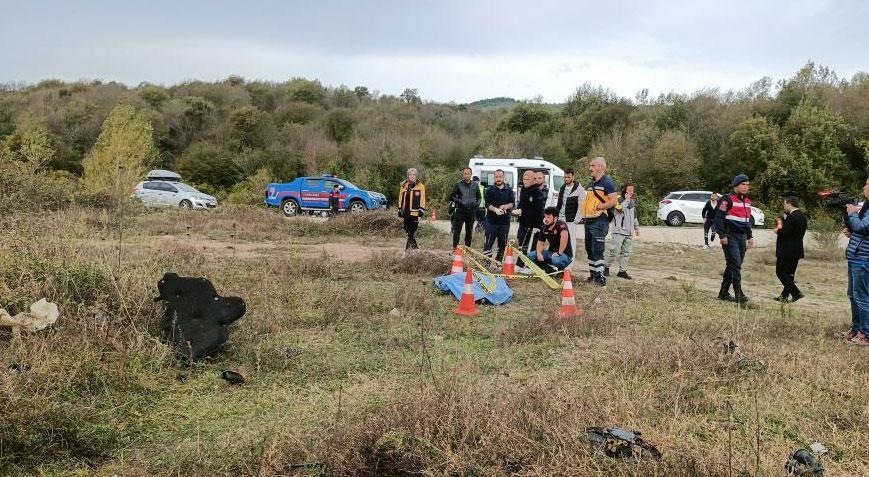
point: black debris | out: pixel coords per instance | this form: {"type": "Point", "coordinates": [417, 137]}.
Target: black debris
{"type": "Point", "coordinates": [196, 317]}
{"type": "Point", "coordinates": [803, 463]}
{"type": "Point", "coordinates": [232, 377]}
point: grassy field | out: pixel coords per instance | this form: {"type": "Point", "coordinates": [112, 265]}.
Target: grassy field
{"type": "Point", "coordinates": [355, 366]}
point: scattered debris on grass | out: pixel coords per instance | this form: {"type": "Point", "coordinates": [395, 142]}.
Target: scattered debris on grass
{"type": "Point", "coordinates": [620, 443]}
{"type": "Point", "coordinates": [42, 314]}
{"type": "Point", "coordinates": [803, 463]}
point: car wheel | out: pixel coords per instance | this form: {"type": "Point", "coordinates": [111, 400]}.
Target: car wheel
{"type": "Point", "coordinates": [675, 219]}
{"type": "Point", "coordinates": [290, 207]}
{"type": "Point", "coordinates": [186, 204]}
{"type": "Point", "coordinates": [357, 206]}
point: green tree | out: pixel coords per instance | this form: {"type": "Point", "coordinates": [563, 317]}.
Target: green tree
{"type": "Point", "coordinates": [411, 96]}
{"type": "Point", "coordinates": [248, 127]}
{"type": "Point", "coordinates": [124, 148]}
{"type": "Point", "coordinates": [339, 124]}
{"type": "Point", "coordinates": [154, 95]}
{"type": "Point", "coordinates": [362, 92]}
{"type": "Point", "coordinates": [208, 163]}
{"type": "Point", "coordinates": [675, 164]}
{"type": "Point", "coordinates": [526, 116]}
{"type": "Point", "coordinates": [753, 145]}
{"type": "Point", "coordinates": [306, 91]}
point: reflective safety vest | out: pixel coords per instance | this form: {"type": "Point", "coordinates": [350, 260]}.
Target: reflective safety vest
{"type": "Point", "coordinates": [736, 213]}
{"type": "Point", "coordinates": [412, 199]}
{"type": "Point", "coordinates": [482, 196]}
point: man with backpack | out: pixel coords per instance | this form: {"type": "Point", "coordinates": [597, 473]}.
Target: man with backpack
{"type": "Point", "coordinates": [600, 197]}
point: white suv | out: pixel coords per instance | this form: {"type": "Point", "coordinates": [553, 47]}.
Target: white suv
{"type": "Point", "coordinates": [687, 206]}
{"type": "Point", "coordinates": [165, 189]}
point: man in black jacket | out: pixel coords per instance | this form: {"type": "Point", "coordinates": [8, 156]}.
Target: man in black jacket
{"type": "Point", "coordinates": [569, 197]}
{"type": "Point", "coordinates": [466, 198]}
{"type": "Point", "coordinates": [789, 249]}
{"type": "Point", "coordinates": [529, 210]}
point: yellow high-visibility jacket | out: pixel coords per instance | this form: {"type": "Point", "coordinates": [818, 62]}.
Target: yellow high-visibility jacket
{"type": "Point", "coordinates": [411, 199]}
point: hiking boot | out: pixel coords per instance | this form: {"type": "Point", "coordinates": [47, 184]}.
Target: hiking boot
{"type": "Point", "coordinates": [600, 281]}
{"type": "Point", "coordinates": [796, 297]}
{"type": "Point", "coordinates": [781, 299]}
{"type": "Point", "coordinates": [624, 275]}
{"type": "Point", "coordinates": [606, 271]}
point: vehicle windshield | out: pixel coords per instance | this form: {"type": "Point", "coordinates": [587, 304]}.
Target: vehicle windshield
{"type": "Point", "coordinates": [184, 187]}
{"type": "Point", "coordinates": [557, 182]}
{"type": "Point", "coordinates": [347, 184]}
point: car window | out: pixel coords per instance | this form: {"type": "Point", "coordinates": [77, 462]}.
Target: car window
{"type": "Point", "coordinates": [185, 187]}
{"type": "Point", "coordinates": [312, 183]}
{"type": "Point", "coordinates": [331, 185]}
{"type": "Point", "coordinates": [489, 177]}
{"type": "Point", "coordinates": [673, 196]}
{"type": "Point", "coordinates": [167, 187]}
{"type": "Point", "coordinates": [151, 185]}
{"type": "Point", "coordinates": [696, 197]}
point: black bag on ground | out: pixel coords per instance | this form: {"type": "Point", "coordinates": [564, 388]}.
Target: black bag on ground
{"type": "Point", "coordinates": [196, 318]}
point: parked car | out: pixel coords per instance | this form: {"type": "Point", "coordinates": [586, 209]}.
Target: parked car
{"type": "Point", "coordinates": [311, 194]}
{"type": "Point", "coordinates": [165, 189]}
{"type": "Point", "coordinates": [687, 206]}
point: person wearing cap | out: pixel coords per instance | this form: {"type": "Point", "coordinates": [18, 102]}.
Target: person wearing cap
{"type": "Point", "coordinates": [733, 224]}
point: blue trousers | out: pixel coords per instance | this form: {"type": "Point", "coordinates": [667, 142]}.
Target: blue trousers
{"type": "Point", "coordinates": [858, 293]}
{"type": "Point", "coordinates": [559, 262]}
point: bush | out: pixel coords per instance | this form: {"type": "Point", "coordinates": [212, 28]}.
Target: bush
{"type": "Point", "coordinates": [826, 230]}
{"type": "Point", "coordinates": [250, 190]}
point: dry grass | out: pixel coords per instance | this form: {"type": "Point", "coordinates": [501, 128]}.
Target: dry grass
{"type": "Point", "coordinates": [417, 391]}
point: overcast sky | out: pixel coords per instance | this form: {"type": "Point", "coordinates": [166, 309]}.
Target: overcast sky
{"type": "Point", "coordinates": [449, 50]}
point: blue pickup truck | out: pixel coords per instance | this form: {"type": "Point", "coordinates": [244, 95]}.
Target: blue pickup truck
{"type": "Point", "coordinates": [311, 194]}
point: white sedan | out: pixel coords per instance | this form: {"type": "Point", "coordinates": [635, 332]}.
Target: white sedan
{"type": "Point", "coordinates": [687, 206]}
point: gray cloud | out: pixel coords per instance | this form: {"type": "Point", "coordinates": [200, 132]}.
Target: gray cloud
{"type": "Point", "coordinates": [450, 50]}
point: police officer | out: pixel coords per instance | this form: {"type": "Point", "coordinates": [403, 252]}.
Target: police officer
{"type": "Point", "coordinates": [733, 224]}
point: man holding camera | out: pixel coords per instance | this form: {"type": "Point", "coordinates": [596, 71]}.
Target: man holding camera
{"type": "Point", "coordinates": [789, 249]}
{"type": "Point", "coordinates": [733, 223]}
{"type": "Point", "coordinates": [857, 231]}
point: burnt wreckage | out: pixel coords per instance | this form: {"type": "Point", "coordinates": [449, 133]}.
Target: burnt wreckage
{"type": "Point", "coordinates": [196, 318]}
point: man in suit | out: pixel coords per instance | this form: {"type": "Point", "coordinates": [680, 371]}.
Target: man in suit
{"type": "Point", "coordinates": [789, 249]}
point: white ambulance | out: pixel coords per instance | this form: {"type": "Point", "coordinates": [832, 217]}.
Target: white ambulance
{"type": "Point", "coordinates": [485, 167]}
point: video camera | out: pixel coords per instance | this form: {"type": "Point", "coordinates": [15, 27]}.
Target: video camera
{"type": "Point", "coordinates": [836, 200]}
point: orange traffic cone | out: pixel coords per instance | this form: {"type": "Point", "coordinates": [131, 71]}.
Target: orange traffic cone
{"type": "Point", "coordinates": [458, 262]}
{"type": "Point", "coordinates": [568, 299]}
{"type": "Point", "coordinates": [509, 267]}
{"type": "Point", "coordinates": [467, 305]}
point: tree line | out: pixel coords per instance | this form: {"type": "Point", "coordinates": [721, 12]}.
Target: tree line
{"type": "Point", "coordinates": [62, 142]}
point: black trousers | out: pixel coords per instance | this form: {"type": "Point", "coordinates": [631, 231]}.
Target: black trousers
{"type": "Point", "coordinates": [411, 224]}
{"type": "Point", "coordinates": [706, 237]}
{"type": "Point", "coordinates": [464, 218]}
{"type": "Point", "coordinates": [785, 269]}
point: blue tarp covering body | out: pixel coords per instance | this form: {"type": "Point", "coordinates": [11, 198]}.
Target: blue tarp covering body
{"type": "Point", "coordinates": [455, 283]}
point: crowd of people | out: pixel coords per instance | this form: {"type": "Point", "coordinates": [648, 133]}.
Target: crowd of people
{"type": "Point", "coordinates": [548, 235]}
